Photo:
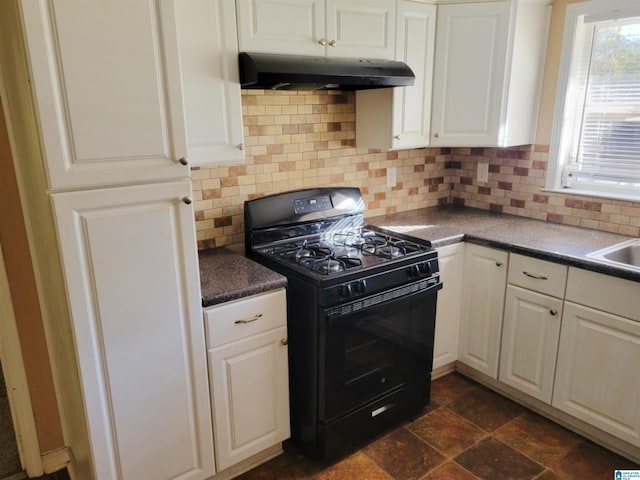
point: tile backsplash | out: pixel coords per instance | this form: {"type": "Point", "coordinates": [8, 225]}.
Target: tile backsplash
{"type": "Point", "coordinates": [516, 179]}
{"type": "Point", "coordinates": [306, 139]}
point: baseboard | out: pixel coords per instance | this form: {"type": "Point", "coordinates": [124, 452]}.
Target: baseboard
{"type": "Point", "coordinates": [249, 463]}
{"type": "Point", "coordinates": [55, 460]}
{"type": "Point", "coordinates": [443, 370]}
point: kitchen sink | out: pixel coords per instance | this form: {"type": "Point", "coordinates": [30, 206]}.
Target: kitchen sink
{"type": "Point", "coordinates": [625, 254]}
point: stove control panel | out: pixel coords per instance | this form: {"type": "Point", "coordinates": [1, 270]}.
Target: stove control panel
{"type": "Point", "coordinates": [352, 289]}
{"type": "Point", "coordinates": [315, 204]}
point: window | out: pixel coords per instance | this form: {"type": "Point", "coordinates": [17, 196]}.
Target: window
{"type": "Point", "coordinates": [596, 138]}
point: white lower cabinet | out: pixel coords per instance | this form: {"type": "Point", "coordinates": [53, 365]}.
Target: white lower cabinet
{"type": "Point", "coordinates": [248, 370]}
{"type": "Point", "coordinates": [596, 375]}
{"type": "Point", "coordinates": [451, 263]}
{"type": "Point", "coordinates": [530, 333]}
{"type": "Point", "coordinates": [485, 282]}
{"type": "Point", "coordinates": [531, 325]}
{"type": "Point", "coordinates": [131, 271]}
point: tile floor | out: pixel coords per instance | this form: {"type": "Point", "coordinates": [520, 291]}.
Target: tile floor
{"type": "Point", "coordinates": [467, 432]}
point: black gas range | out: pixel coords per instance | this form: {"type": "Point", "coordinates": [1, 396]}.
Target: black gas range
{"type": "Point", "coordinates": [361, 315]}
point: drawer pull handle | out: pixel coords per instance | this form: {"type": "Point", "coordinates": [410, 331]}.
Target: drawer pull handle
{"type": "Point", "coordinates": [553, 312]}
{"type": "Point", "coordinates": [284, 341]}
{"type": "Point", "coordinates": [533, 275]}
{"type": "Point", "coordinates": [382, 409]}
{"type": "Point", "coordinates": [499, 264]}
{"type": "Point", "coordinates": [249, 320]}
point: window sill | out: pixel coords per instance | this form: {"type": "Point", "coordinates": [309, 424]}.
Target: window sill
{"type": "Point", "coordinates": [595, 194]}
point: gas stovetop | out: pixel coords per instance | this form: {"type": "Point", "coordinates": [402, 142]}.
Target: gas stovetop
{"type": "Point", "coordinates": [332, 253]}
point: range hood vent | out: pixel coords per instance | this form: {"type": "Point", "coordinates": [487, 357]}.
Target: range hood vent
{"type": "Point", "coordinates": [274, 71]}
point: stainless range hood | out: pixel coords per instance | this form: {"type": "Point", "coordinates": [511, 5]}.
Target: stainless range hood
{"type": "Point", "coordinates": [274, 71]}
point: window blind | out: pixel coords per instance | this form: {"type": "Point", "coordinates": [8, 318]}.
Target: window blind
{"type": "Point", "coordinates": [608, 143]}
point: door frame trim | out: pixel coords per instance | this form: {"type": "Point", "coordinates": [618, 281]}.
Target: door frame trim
{"type": "Point", "coordinates": [16, 381]}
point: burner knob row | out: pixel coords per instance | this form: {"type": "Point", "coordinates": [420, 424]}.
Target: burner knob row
{"type": "Point", "coordinates": [347, 290]}
{"type": "Point", "coordinates": [419, 270]}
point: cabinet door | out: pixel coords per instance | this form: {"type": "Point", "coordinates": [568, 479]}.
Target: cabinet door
{"type": "Point", "coordinates": [208, 46]}
{"type": "Point", "coordinates": [485, 282]}
{"type": "Point", "coordinates": [597, 373]}
{"type": "Point", "coordinates": [451, 262]}
{"type": "Point", "coordinates": [281, 26]}
{"type": "Point", "coordinates": [107, 91]}
{"type": "Point", "coordinates": [361, 28]}
{"type": "Point", "coordinates": [530, 334]}
{"type": "Point", "coordinates": [131, 268]}
{"type": "Point", "coordinates": [470, 61]}
{"type": "Point", "coordinates": [399, 118]}
{"type": "Point", "coordinates": [415, 39]}
{"type": "Point", "coordinates": [250, 392]}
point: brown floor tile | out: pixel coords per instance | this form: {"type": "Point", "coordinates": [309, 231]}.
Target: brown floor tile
{"type": "Point", "coordinates": [291, 465]}
{"type": "Point", "coordinates": [486, 409]}
{"type": "Point", "coordinates": [493, 460]}
{"type": "Point", "coordinates": [449, 471]}
{"type": "Point", "coordinates": [548, 475]}
{"type": "Point", "coordinates": [446, 389]}
{"type": "Point", "coordinates": [403, 455]}
{"type": "Point", "coordinates": [357, 466]}
{"type": "Point", "coordinates": [538, 438]}
{"type": "Point", "coordinates": [587, 461]}
{"type": "Point", "coordinates": [447, 431]}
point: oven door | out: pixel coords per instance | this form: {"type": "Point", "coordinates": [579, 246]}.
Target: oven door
{"type": "Point", "coordinates": [374, 345]}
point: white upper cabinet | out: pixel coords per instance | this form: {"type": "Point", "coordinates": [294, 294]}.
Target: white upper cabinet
{"type": "Point", "coordinates": [208, 47]}
{"type": "Point", "coordinates": [281, 26]}
{"type": "Point", "coordinates": [399, 118]}
{"type": "Point", "coordinates": [360, 28]}
{"type": "Point", "coordinates": [340, 28]}
{"type": "Point", "coordinates": [107, 91]}
{"type": "Point", "coordinates": [131, 268]}
{"type": "Point", "coordinates": [488, 72]}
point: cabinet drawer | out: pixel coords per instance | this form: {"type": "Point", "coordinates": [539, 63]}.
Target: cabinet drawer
{"type": "Point", "coordinates": [537, 275]}
{"type": "Point", "coordinates": [604, 292]}
{"type": "Point", "coordinates": [248, 316]}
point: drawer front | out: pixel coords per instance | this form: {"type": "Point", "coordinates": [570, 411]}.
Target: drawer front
{"type": "Point", "coordinates": [239, 319]}
{"type": "Point", "coordinates": [604, 292]}
{"type": "Point", "coordinates": [537, 275]}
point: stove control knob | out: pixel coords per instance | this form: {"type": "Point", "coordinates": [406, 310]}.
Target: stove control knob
{"type": "Point", "coordinates": [413, 271]}
{"type": "Point", "coordinates": [345, 290]}
{"type": "Point", "coordinates": [360, 286]}
{"type": "Point", "coordinates": [425, 268]}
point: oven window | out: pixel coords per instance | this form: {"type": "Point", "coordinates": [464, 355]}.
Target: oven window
{"type": "Point", "coordinates": [366, 354]}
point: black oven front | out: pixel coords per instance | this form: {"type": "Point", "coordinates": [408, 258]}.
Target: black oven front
{"type": "Point", "coordinates": [375, 358]}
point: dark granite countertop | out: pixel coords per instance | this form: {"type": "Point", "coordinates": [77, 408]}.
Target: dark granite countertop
{"type": "Point", "coordinates": [226, 276]}
{"type": "Point", "coordinates": [440, 226]}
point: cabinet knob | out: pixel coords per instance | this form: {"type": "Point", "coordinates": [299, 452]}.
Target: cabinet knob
{"type": "Point", "coordinates": [436, 135]}
{"type": "Point", "coordinates": [499, 264]}
{"type": "Point", "coordinates": [333, 43]}
{"type": "Point", "coordinates": [322, 41]}
{"type": "Point", "coordinates": [553, 312]}
{"type": "Point", "coordinates": [240, 146]}
{"type": "Point", "coordinates": [397, 137]}
{"type": "Point", "coordinates": [187, 200]}
{"type": "Point", "coordinates": [183, 161]}
{"type": "Point", "coordinates": [284, 341]}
